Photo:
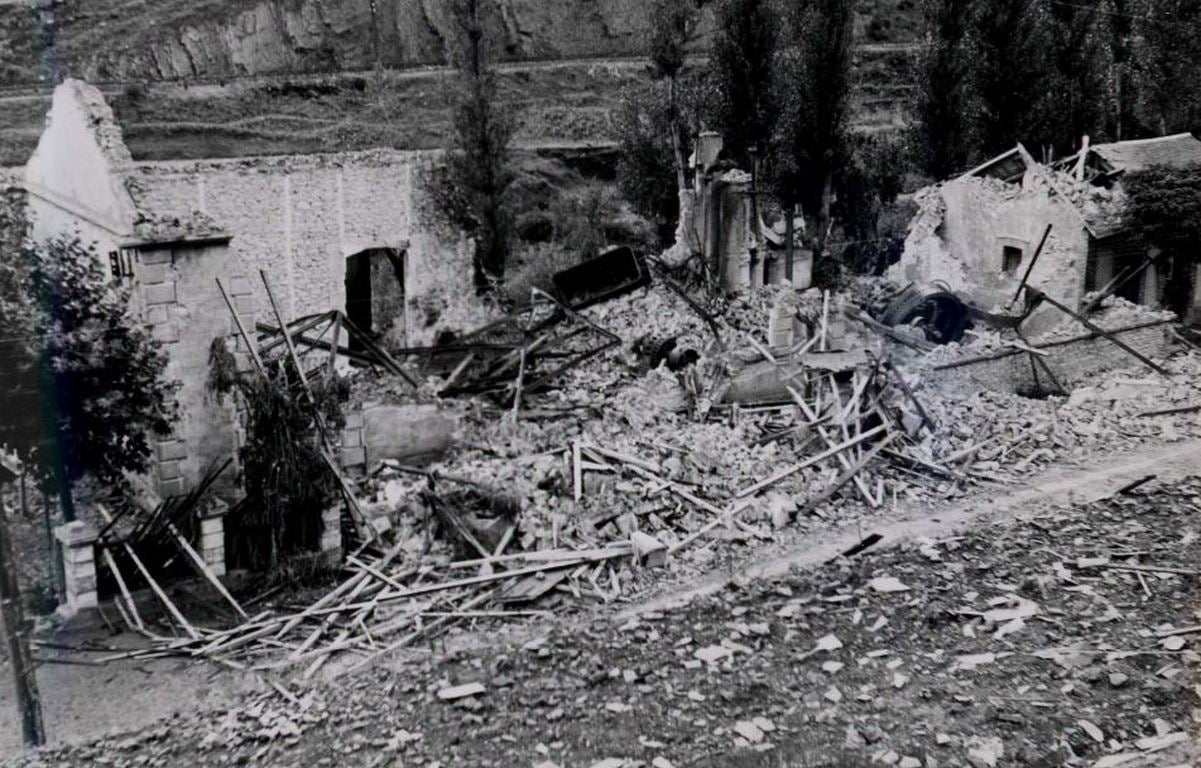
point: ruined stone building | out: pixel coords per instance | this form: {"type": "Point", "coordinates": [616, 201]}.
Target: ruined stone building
{"type": "Point", "coordinates": [334, 231]}
{"type": "Point", "coordinates": [979, 232]}
{"type": "Point", "coordinates": [728, 230]}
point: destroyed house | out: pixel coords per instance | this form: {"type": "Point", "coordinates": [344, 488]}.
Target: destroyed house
{"type": "Point", "coordinates": [1060, 227]}
{"type": "Point", "coordinates": [199, 239]}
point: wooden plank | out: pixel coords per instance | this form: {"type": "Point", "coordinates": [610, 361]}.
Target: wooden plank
{"type": "Point", "coordinates": [577, 472]}
{"type": "Point", "coordinates": [204, 569]}
{"type": "Point", "coordinates": [251, 346]}
{"type": "Point", "coordinates": [724, 517]}
{"type": "Point", "coordinates": [792, 470]}
{"type": "Point", "coordinates": [829, 441]}
{"type": "Point", "coordinates": [154, 585]}
{"type": "Point", "coordinates": [1039, 295]}
{"type": "Point", "coordinates": [133, 618]}
{"type": "Point", "coordinates": [849, 474]}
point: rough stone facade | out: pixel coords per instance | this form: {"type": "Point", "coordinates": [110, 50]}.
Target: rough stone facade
{"type": "Point", "coordinates": [178, 296]}
{"type": "Point", "coordinates": [299, 218]}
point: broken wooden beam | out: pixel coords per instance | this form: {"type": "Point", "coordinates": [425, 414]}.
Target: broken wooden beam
{"type": "Point", "coordinates": [793, 469]}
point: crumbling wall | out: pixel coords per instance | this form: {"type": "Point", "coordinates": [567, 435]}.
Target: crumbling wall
{"type": "Point", "coordinates": [1074, 361]}
{"type": "Point", "coordinates": [70, 178]}
{"type": "Point", "coordinates": [299, 218]}
{"type": "Point", "coordinates": [962, 227]}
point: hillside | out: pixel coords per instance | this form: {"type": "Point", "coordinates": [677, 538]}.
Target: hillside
{"type": "Point", "coordinates": [224, 78]}
{"type": "Point", "coordinates": [123, 40]}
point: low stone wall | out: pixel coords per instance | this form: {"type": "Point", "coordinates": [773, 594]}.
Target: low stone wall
{"type": "Point", "coordinates": [1073, 361]}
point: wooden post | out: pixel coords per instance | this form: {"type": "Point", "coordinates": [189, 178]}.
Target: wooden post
{"type": "Point", "coordinates": [1030, 267]}
{"type": "Point", "coordinates": [16, 630]}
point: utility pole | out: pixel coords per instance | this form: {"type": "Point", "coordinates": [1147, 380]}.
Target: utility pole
{"type": "Point", "coordinates": [16, 631]}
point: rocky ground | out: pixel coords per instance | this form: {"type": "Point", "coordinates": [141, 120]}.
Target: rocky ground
{"type": "Point", "coordinates": [1063, 636]}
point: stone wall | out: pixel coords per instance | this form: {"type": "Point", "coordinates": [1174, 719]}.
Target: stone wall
{"type": "Point", "coordinates": [176, 289]}
{"type": "Point", "coordinates": [1073, 361]}
{"type": "Point", "coordinates": [300, 217]}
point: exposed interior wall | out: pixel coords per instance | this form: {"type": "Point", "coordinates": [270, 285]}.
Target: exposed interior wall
{"type": "Point", "coordinates": [300, 217]}
{"type": "Point", "coordinates": [73, 176]}
{"type": "Point", "coordinates": [961, 232]}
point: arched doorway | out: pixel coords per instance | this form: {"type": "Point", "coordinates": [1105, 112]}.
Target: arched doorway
{"type": "Point", "coordinates": [375, 292]}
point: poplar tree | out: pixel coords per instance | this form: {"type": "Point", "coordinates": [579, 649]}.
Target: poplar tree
{"type": "Point", "coordinates": [814, 93]}
{"type": "Point", "coordinates": [479, 171]}
{"type": "Point", "coordinates": [671, 23]}
{"type": "Point", "coordinates": [1011, 74]}
{"type": "Point", "coordinates": [944, 124]}
{"type": "Point", "coordinates": [743, 63]}
{"type": "Point", "coordinates": [1168, 66]}
{"type": "Point", "coordinates": [1082, 65]}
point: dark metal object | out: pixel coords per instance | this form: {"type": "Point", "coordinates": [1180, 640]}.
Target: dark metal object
{"type": "Point", "coordinates": [614, 273]}
{"type": "Point", "coordinates": [943, 317]}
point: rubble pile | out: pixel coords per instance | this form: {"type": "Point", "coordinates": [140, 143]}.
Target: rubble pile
{"type": "Point", "coordinates": [571, 483]}
{"type": "Point", "coordinates": [1000, 436]}
{"type": "Point", "coordinates": [1067, 635]}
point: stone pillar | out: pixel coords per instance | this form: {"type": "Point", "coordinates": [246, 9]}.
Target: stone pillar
{"type": "Point", "coordinates": [331, 534]}
{"type": "Point", "coordinates": [212, 536]}
{"type": "Point", "coordinates": [77, 548]}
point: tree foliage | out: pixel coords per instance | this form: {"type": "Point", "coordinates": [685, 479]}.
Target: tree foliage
{"type": "Point", "coordinates": [473, 185]}
{"type": "Point", "coordinates": [671, 23]}
{"type": "Point", "coordinates": [1167, 77]}
{"type": "Point", "coordinates": [287, 482]}
{"type": "Point", "coordinates": [944, 124]}
{"type": "Point", "coordinates": [743, 66]}
{"type": "Point", "coordinates": [1165, 206]}
{"type": "Point", "coordinates": [1011, 74]}
{"type": "Point", "coordinates": [992, 73]}
{"type": "Point", "coordinates": [869, 183]}
{"type": "Point", "coordinates": [1082, 71]}
{"type": "Point", "coordinates": [814, 89]}
{"type": "Point", "coordinates": [81, 385]}
{"type": "Point", "coordinates": [643, 124]}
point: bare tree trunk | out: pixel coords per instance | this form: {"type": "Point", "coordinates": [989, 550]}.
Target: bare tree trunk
{"type": "Point", "coordinates": [822, 225]}
{"type": "Point", "coordinates": [676, 141]}
{"type": "Point", "coordinates": [789, 240]}
{"type": "Point", "coordinates": [17, 630]}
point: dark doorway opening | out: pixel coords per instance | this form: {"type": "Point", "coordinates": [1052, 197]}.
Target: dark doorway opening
{"type": "Point", "coordinates": [375, 291]}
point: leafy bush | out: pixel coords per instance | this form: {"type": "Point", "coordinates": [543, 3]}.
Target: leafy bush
{"type": "Point", "coordinates": [287, 481]}
{"type": "Point", "coordinates": [533, 268]}
{"type": "Point", "coordinates": [81, 387]}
